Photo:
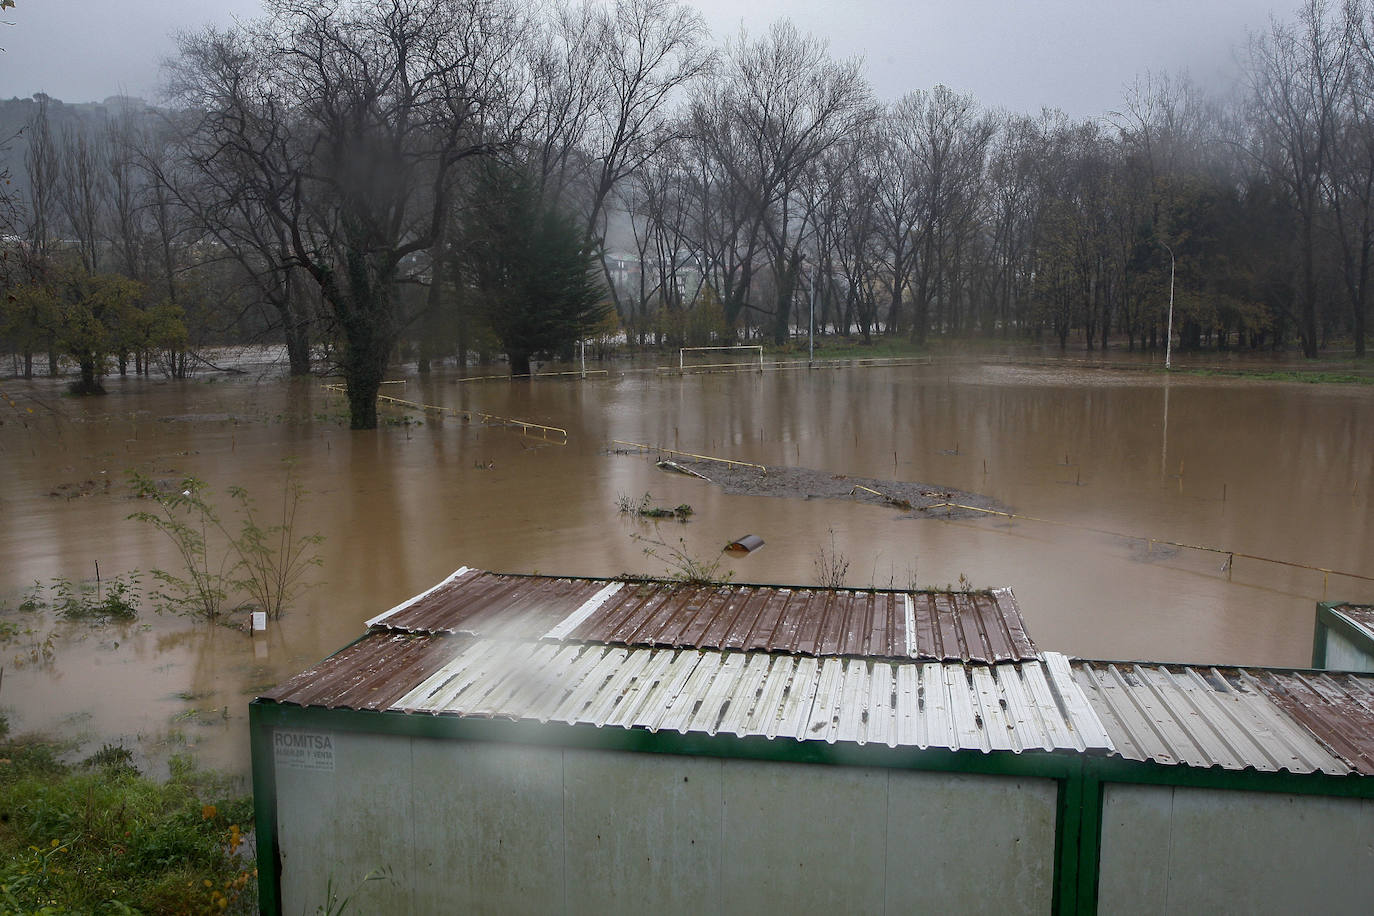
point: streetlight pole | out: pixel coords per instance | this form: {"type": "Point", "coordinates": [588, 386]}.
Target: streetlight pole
{"type": "Point", "coordinates": [811, 358]}
{"type": "Point", "coordinates": [1169, 334]}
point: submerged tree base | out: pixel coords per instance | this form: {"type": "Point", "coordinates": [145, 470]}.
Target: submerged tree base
{"type": "Point", "coordinates": [86, 388]}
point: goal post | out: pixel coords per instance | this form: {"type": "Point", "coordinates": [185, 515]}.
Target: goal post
{"type": "Point", "coordinates": [683, 351]}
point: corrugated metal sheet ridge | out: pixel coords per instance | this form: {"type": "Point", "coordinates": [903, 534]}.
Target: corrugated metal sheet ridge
{"type": "Point", "coordinates": [1199, 716]}
{"type": "Point", "coordinates": [481, 602]}
{"type": "Point", "coordinates": [1007, 707]}
{"type": "Point", "coordinates": [1362, 615]}
{"type": "Point", "coordinates": [984, 627]}
{"type": "Point", "coordinates": [820, 622]}
{"type": "Point", "coordinates": [1336, 709]}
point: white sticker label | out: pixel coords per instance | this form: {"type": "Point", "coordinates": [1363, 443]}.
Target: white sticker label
{"type": "Point", "coordinates": [302, 750]}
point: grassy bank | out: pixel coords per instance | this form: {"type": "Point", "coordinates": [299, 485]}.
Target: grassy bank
{"type": "Point", "coordinates": [1311, 377]}
{"type": "Point", "coordinates": [849, 348]}
{"type": "Point", "coordinates": [98, 837]}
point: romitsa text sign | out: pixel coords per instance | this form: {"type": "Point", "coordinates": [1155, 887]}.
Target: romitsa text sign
{"type": "Point", "coordinates": [303, 750]}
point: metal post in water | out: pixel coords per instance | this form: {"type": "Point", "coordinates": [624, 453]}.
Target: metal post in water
{"type": "Point", "coordinates": [1169, 333]}
{"type": "Point", "coordinates": [811, 358]}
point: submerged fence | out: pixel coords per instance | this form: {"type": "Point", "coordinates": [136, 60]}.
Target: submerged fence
{"type": "Point", "coordinates": [1151, 542]}
{"type": "Point", "coordinates": [552, 434]}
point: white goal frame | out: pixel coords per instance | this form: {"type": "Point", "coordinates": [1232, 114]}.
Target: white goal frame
{"type": "Point", "coordinates": [682, 356]}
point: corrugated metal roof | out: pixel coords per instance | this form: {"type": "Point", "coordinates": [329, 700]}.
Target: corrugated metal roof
{"type": "Point", "coordinates": [1362, 615]}
{"type": "Point", "coordinates": [489, 604]}
{"type": "Point", "coordinates": [1007, 707]}
{"type": "Point", "coordinates": [944, 670]}
{"type": "Point", "coordinates": [372, 673]}
{"type": "Point", "coordinates": [1337, 708]}
{"type": "Point", "coordinates": [1202, 717]}
{"type": "Point", "coordinates": [984, 627]}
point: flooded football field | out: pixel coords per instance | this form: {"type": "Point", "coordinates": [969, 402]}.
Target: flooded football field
{"type": "Point", "coordinates": [1103, 482]}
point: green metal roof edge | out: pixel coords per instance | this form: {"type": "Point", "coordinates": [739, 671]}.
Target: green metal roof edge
{"type": "Point", "coordinates": [1047, 764]}
{"type": "Point", "coordinates": [1330, 618]}
{"type": "Point", "coordinates": [1056, 764]}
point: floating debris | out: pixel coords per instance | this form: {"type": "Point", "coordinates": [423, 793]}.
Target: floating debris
{"type": "Point", "coordinates": [677, 468]}
{"type": "Point", "coordinates": [747, 544]}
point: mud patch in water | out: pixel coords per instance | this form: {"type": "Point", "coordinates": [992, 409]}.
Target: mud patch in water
{"type": "Point", "coordinates": [922, 500]}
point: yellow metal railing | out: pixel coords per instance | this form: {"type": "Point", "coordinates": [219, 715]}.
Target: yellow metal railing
{"type": "Point", "coordinates": [527, 427]}
{"type": "Point", "coordinates": [672, 451]}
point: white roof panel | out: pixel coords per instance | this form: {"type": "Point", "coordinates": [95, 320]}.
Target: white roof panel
{"type": "Point", "coordinates": [1009, 707]}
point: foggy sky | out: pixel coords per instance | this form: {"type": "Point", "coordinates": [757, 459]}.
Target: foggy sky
{"type": "Point", "coordinates": [1015, 54]}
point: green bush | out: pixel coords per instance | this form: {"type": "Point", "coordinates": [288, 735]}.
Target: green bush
{"type": "Point", "coordinates": [103, 839]}
{"type": "Point", "coordinates": [116, 600]}
{"type": "Point", "coordinates": [267, 560]}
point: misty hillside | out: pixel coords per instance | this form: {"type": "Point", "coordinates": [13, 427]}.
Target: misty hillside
{"type": "Point", "coordinates": [16, 113]}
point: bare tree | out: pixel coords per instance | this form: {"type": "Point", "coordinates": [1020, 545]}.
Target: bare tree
{"type": "Point", "coordinates": [40, 217]}
{"type": "Point", "coordinates": [1296, 78]}
{"type": "Point", "coordinates": [84, 155]}
{"type": "Point", "coordinates": [944, 140]}
{"type": "Point", "coordinates": [783, 101]}
{"type": "Point", "coordinates": [653, 48]}
{"type": "Point", "coordinates": [352, 118]}
{"type": "Point", "coordinates": [603, 87]}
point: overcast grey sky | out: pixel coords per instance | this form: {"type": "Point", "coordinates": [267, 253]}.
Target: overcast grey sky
{"type": "Point", "coordinates": [1016, 54]}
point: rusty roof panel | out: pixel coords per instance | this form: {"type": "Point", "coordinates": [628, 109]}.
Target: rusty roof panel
{"type": "Point", "coordinates": [488, 604]}
{"type": "Point", "coordinates": [1338, 709]}
{"type": "Point", "coordinates": [372, 673]}
{"type": "Point", "coordinates": [1010, 707]}
{"type": "Point", "coordinates": [1205, 717]}
{"type": "Point", "coordinates": [1361, 615]}
{"type": "Point", "coordinates": [982, 627]}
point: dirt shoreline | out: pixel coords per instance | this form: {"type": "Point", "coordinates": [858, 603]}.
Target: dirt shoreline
{"type": "Point", "coordinates": [915, 500]}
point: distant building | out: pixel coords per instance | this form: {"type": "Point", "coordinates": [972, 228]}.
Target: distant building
{"type": "Point", "coordinates": [560, 745]}
{"type": "Point", "coordinates": [623, 270]}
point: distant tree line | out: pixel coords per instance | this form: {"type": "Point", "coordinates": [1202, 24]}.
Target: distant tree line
{"type": "Point", "coordinates": [441, 176]}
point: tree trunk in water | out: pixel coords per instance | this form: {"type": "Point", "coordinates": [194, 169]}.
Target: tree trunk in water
{"type": "Point", "coordinates": [362, 402]}
{"type": "Point", "coordinates": [298, 348]}
{"type": "Point", "coordinates": [88, 383]}
{"type": "Point", "coordinates": [295, 325]}
{"type": "Point", "coordinates": [365, 312]}
{"type": "Point", "coordinates": [519, 363]}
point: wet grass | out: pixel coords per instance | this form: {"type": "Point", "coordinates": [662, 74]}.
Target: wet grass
{"type": "Point", "coordinates": [851, 348]}
{"type": "Point", "coordinates": [644, 508]}
{"type": "Point", "coordinates": [1311, 377]}
{"type": "Point", "coordinates": [98, 837]}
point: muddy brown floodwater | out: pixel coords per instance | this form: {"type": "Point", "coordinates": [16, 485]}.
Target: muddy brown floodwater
{"type": "Point", "coordinates": [1273, 469]}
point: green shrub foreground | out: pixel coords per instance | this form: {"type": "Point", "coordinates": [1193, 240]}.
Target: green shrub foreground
{"type": "Point", "coordinates": [99, 838]}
